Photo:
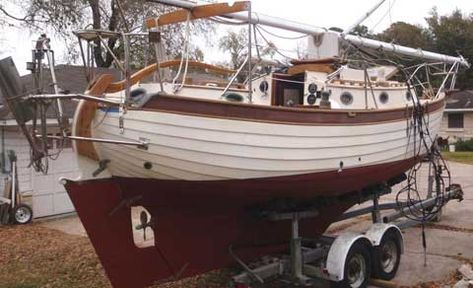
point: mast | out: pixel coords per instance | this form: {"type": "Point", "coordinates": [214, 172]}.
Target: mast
{"type": "Point", "coordinates": [363, 18]}
{"type": "Point", "coordinates": [313, 30]}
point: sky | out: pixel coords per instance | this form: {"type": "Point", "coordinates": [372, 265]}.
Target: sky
{"type": "Point", "coordinates": [17, 42]}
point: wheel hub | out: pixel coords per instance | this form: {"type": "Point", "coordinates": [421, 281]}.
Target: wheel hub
{"type": "Point", "coordinates": [356, 270]}
{"type": "Point", "coordinates": [389, 256]}
{"type": "Point", "coordinates": [22, 215]}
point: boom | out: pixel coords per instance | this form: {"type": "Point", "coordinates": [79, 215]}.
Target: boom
{"type": "Point", "coordinates": [257, 18]}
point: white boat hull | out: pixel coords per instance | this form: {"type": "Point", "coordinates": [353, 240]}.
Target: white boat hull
{"type": "Point", "coordinates": [188, 147]}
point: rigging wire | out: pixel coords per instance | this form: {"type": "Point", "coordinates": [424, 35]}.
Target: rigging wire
{"type": "Point", "coordinates": [409, 198]}
{"type": "Point", "coordinates": [282, 37]}
{"type": "Point", "coordinates": [269, 43]}
{"type": "Point", "coordinates": [413, 198]}
{"type": "Point", "coordinates": [388, 12]}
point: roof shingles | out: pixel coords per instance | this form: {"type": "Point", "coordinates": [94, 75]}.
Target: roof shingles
{"type": "Point", "coordinates": [70, 79]}
{"type": "Point", "coordinates": [460, 100]}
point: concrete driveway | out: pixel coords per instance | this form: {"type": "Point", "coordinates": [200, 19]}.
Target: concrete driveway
{"type": "Point", "coordinates": [449, 242]}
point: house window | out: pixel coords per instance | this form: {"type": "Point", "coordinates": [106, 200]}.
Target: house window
{"type": "Point", "coordinates": [455, 120]}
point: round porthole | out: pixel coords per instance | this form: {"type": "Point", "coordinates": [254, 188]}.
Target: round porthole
{"type": "Point", "coordinates": [384, 97]}
{"type": "Point", "coordinates": [312, 88]}
{"type": "Point", "coordinates": [408, 96]}
{"type": "Point", "coordinates": [311, 99]}
{"type": "Point", "coordinates": [346, 98]}
{"type": "Point", "coordinates": [263, 86]}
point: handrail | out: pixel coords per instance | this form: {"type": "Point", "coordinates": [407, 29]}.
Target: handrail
{"type": "Point", "coordinates": [202, 11]}
{"type": "Point", "coordinates": [148, 70]}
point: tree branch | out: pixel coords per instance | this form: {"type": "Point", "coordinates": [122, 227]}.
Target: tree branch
{"type": "Point", "coordinates": [13, 17]}
{"type": "Point", "coordinates": [26, 18]}
{"type": "Point", "coordinates": [96, 24]}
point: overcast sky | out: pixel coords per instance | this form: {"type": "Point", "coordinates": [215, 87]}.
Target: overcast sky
{"type": "Point", "coordinates": [343, 13]}
{"type": "Point", "coordinates": [340, 13]}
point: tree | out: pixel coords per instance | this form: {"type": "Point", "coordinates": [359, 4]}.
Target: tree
{"type": "Point", "coordinates": [235, 43]}
{"type": "Point", "coordinates": [115, 15]}
{"type": "Point", "coordinates": [453, 34]}
{"type": "Point", "coordinates": [407, 35]}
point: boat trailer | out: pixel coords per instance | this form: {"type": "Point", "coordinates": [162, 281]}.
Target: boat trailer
{"type": "Point", "coordinates": [349, 259]}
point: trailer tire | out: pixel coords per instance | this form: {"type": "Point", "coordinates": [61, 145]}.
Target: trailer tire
{"type": "Point", "coordinates": [357, 268]}
{"type": "Point", "coordinates": [387, 256]}
{"type": "Point", "coordinates": [22, 214]}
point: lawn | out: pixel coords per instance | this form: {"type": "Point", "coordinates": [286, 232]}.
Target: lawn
{"type": "Point", "coordinates": [461, 157]}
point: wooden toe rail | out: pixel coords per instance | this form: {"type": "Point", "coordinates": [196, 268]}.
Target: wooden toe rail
{"type": "Point", "coordinates": [86, 114]}
{"type": "Point", "coordinates": [202, 11]}
{"type": "Point", "coordinates": [148, 70]}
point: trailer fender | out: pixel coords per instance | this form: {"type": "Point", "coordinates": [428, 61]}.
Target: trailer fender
{"type": "Point", "coordinates": [377, 231]}
{"type": "Point", "coordinates": [338, 253]}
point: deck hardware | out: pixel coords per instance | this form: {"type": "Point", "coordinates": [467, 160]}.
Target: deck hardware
{"type": "Point", "coordinates": [325, 100]}
{"type": "Point", "coordinates": [102, 166]}
{"type": "Point", "coordinates": [144, 143]}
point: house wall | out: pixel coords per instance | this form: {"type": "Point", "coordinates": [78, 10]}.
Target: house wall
{"type": "Point", "coordinates": [15, 141]}
{"type": "Point", "coordinates": [464, 133]}
{"type": "Point", "coordinates": [42, 192]}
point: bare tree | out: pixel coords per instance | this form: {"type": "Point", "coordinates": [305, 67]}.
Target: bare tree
{"type": "Point", "coordinates": [236, 43]}
{"type": "Point", "coordinates": [115, 15]}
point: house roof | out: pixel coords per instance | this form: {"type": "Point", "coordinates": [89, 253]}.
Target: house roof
{"type": "Point", "coordinates": [460, 100]}
{"type": "Point", "coordinates": [70, 78]}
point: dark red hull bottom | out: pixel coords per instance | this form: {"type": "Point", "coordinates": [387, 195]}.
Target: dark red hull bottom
{"type": "Point", "coordinates": [195, 222]}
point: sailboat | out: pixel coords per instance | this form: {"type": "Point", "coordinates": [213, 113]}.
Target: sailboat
{"type": "Point", "coordinates": [210, 160]}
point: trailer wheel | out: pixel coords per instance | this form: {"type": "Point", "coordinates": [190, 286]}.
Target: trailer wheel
{"type": "Point", "coordinates": [357, 269]}
{"type": "Point", "coordinates": [387, 256]}
{"type": "Point", "coordinates": [22, 214]}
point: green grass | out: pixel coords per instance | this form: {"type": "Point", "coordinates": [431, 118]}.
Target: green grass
{"type": "Point", "coordinates": [461, 157]}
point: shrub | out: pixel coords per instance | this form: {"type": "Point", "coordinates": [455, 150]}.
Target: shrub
{"type": "Point", "coordinates": [464, 145]}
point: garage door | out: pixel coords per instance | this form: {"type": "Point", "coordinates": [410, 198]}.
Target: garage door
{"type": "Point", "coordinates": [49, 196]}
